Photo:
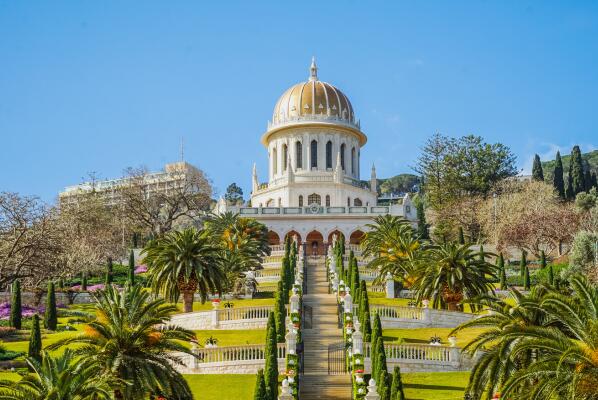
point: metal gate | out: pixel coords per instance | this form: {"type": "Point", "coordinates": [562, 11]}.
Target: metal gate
{"type": "Point", "coordinates": [307, 316]}
{"type": "Point", "coordinates": [337, 358]}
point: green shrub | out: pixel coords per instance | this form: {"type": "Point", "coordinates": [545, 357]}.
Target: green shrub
{"type": "Point", "coordinates": [16, 306]}
{"type": "Point", "coordinates": [50, 316]}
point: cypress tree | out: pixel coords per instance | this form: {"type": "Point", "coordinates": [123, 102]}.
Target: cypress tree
{"type": "Point", "coordinates": [384, 388]}
{"type": "Point", "coordinates": [354, 277]}
{"type": "Point", "coordinates": [280, 316]}
{"type": "Point", "coordinates": [522, 264]}
{"type": "Point", "coordinates": [364, 307]}
{"type": "Point", "coordinates": [50, 316]}
{"type": "Point", "coordinates": [35, 340]}
{"type": "Point", "coordinates": [60, 283]}
{"type": "Point", "coordinates": [109, 272]}
{"type": "Point", "coordinates": [271, 356]}
{"type": "Point", "coordinates": [569, 195]}
{"type": "Point", "coordinates": [381, 359]}
{"type": "Point", "coordinates": [340, 266]}
{"type": "Point", "coordinates": [594, 181]}
{"type": "Point", "coordinates": [260, 387]}
{"type": "Point", "coordinates": [461, 236]}
{"type": "Point", "coordinates": [366, 326]}
{"type": "Point", "coordinates": [283, 282]}
{"type": "Point", "coordinates": [577, 179]}
{"type": "Point", "coordinates": [376, 333]}
{"type": "Point", "coordinates": [501, 269]}
{"type": "Point", "coordinates": [396, 391]}
{"type": "Point", "coordinates": [482, 255]}
{"type": "Point", "coordinates": [557, 180]}
{"type": "Point", "coordinates": [16, 307]}
{"type": "Point", "coordinates": [422, 225]}
{"type": "Point", "coordinates": [131, 271]}
{"type": "Point", "coordinates": [537, 172]}
{"type": "Point", "coordinates": [550, 275]}
{"type": "Point", "coordinates": [526, 279]}
{"type": "Point", "coordinates": [542, 260]}
{"type": "Point", "coordinates": [587, 176]}
{"type": "Point", "coordinates": [293, 267]}
{"type": "Point", "coordinates": [83, 281]}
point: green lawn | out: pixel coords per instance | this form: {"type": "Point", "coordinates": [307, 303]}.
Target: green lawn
{"type": "Point", "coordinates": [423, 335]}
{"type": "Point", "coordinates": [233, 337]}
{"type": "Point", "coordinates": [435, 385]}
{"type": "Point", "coordinates": [220, 387]}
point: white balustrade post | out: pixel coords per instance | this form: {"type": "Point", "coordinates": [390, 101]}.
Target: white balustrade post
{"type": "Point", "coordinates": [390, 286]}
{"type": "Point", "coordinates": [195, 351]}
{"type": "Point", "coordinates": [348, 303]}
{"type": "Point", "coordinates": [286, 391]}
{"type": "Point", "coordinates": [454, 353]}
{"type": "Point", "coordinates": [372, 391]}
{"type": "Point", "coordinates": [215, 318]}
{"type": "Point", "coordinates": [294, 303]}
{"type": "Point", "coordinates": [426, 312]}
{"type": "Point", "coordinates": [291, 341]}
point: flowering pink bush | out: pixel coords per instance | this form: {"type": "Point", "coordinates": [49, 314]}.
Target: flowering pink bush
{"type": "Point", "coordinates": [140, 269]}
{"type": "Point", "coordinates": [90, 288]}
{"type": "Point", "coordinates": [26, 310]}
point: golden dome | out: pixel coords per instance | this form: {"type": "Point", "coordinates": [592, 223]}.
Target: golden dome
{"type": "Point", "coordinates": [311, 102]}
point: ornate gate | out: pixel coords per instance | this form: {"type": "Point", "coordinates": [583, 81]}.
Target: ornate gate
{"type": "Point", "coordinates": [337, 358]}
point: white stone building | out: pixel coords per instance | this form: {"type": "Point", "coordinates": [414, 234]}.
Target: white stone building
{"type": "Point", "coordinates": [314, 188]}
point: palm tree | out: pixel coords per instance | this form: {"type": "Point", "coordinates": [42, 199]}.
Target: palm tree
{"type": "Point", "coordinates": [58, 378]}
{"type": "Point", "coordinates": [452, 273]}
{"type": "Point", "coordinates": [566, 347]}
{"type": "Point", "coordinates": [131, 341]}
{"type": "Point", "coordinates": [184, 262]}
{"type": "Point", "coordinates": [493, 348]}
{"type": "Point", "coordinates": [393, 245]}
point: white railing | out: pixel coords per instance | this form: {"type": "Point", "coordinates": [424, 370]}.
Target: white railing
{"type": "Point", "coordinates": [237, 353]}
{"type": "Point", "coordinates": [271, 272]}
{"type": "Point", "coordinates": [297, 119]}
{"type": "Point", "coordinates": [417, 352]}
{"type": "Point", "coordinates": [398, 311]}
{"type": "Point", "coordinates": [241, 313]}
{"type": "Point", "coordinates": [277, 247]}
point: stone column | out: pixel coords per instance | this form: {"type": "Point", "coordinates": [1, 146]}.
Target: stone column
{"type": "Point", "coordinates": [372, 391]}
{"type": "Point", "coordinates": [294, 303]}
{"type": "Point", "coordinates": [390, 286]}
{"type": "Point", "coordinates": [195, 351]}
{"type": "Point", "coordinates": [215, 318]}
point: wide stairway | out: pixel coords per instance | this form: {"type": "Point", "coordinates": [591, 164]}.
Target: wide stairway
{"type": "Point", "coordinates": [316, 382]}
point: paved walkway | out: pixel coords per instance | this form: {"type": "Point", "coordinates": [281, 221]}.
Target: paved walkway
{"type": "Point", "coordinates": [316, 383]}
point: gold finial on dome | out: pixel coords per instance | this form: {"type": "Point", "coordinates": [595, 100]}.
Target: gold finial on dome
{"type": "Point", "coordinates": [313, 70]}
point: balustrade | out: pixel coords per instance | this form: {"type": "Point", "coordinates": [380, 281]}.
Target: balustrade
{"type": "Point", "coordinates": [421, 352]}
{"type": "Point", "coordinates": [237, 353]}
{"type": "Point", "coordinates": [256, 312]}
{"type": "Point", "coordinates": [398, 311]}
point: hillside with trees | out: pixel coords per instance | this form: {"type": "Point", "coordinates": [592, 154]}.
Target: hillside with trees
{"type": "Point", "coordinates": [590, 159]}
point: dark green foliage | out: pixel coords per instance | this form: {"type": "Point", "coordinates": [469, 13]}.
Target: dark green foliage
{"type": "Point", "coordinates": [569, 195]}
{"type": "Point", "coordinates": [461, 236]}
{"type": "Point", "coordinates": [83, 281]}
{"type": "Point", "coordinates": [396, 392]}
{"type": "Point", "coordinates": [537, 172]}
{"type": "Point", "coordinates": [542, 260]}
{"type": "Point", "coordinates": [260, 387]}
{"type": "Point", "coordinates": [109, 272]}
{"type": "Point", "coordinates": [234, 194]}
{"type": "Point", "coordinates": [287, 246]}
{"type": "Point", "coordinates": [340, 266]}
{"type": "Point", "coordinates": [380, 359]}
{"type": "Point", "coordinates": [16, 306]}
{"type": "Point", "coordinates": [501, 270]}
{"type": "Point", "coordinates": [60, 283]}
{"type": "Point", "coordinates": [482, 254]}
{"type": "Point", "coordinates": [422, 226]}
{"type": "Point", "coordinates": [557, 180]}
{"type": "Point", "coordinates": [354, 277]}
{"type": "Point", "coordinates": [271, 355]}
{"type": "Point", "coordinates": [522, 264]}
{"type": "Point", "coordinates": [366, 327]}
{"type": "Point", "coordinates": [577, 172]}
{"type": "Point", "coordinates": [50, 316]}
{"type": "Point", "coordinates": [35, 340]}
{"type": "Point", "coordinates": [280, 314]}
{"type": "Point", "coordinates": [550, 275]}
{"type": "Point", "coordinates": [376, 333]}
{"type": "Point", "coordinates": [384, 385]}
{"type": "Point", "coordinates": [350, 269]}
{"type": "Point", "coordinates": [594, 180]}
{"type": "Point", "coordinates": [526, 279]}
{"type": "Point", "coordinates": [293, 265]}
{"type": "Point", "coordinates": [131, 274]}
{"type": "Point", "coordinates": [402, 183]}
{"type": "Point", "coordinates": [587, 177]}
{"type": "Point", "coordinates": [283, 284]}
{"type": "Point", "coordinates": [364, 307]}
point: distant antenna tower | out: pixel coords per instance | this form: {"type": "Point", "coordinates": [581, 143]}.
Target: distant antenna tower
{"type": "Point", "coordinates": [182, 149]}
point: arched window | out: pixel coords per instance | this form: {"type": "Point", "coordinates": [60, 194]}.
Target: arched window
{"type": "Point", "coordinates": [300, 200]}
{"type": "Point", "coordinates": [285, 155]}
{"type": "Point", "coordinates": [348, 202]}
{"type": "Point", "coordinates": [274, 161]}
{"type": "Point", "coordinates": [298, 155]}
{"type": "Point", "coordinates": [353, 161]}
{"type": "Point", "coordinates": [343, 156]}
{"type": "Point", "coordinates": [357, 202]}
{"type": "Point", "coordinates": [314, 199]}
{"type": "Point", "coordinates": [269, 203]}
{"type": "Point", "coordinates": [329, 154]}
{"type": "Point", "coordinates": [314, 154]}
{"type": "Point", "coordinates": [279, 202]}
{"type": "Point", "coordinates": [327, 200]}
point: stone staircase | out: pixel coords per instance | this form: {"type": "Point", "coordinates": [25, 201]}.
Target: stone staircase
{"type": "Point", "coordinates": [316, 383]}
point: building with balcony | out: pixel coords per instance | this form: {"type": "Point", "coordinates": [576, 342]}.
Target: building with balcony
{"type": "Point", "coordinates": [314, 188]}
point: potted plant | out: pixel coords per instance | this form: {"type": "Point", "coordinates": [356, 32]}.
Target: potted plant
{"type": "Point", "coordinates": [215, 303]}
{"type": "Point", "coordinates": [211, 342]}
{"type": "Point", "coordinates": [435, 341]}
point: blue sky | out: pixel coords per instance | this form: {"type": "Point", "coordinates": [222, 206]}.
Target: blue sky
{"type": "Point", "coordinates": [103, 85]}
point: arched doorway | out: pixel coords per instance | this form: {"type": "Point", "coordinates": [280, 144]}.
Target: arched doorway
{"type": "Point", "coordinates": [336, 232]}
{"type": "Point", "coordinates": [356, 237]}
{"type": "Point", "coordinates": [315, 243]}
{"type": "Point", "coordinates": [292, 234]}
{"type": "Point", "coordinates": [273, 238]}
